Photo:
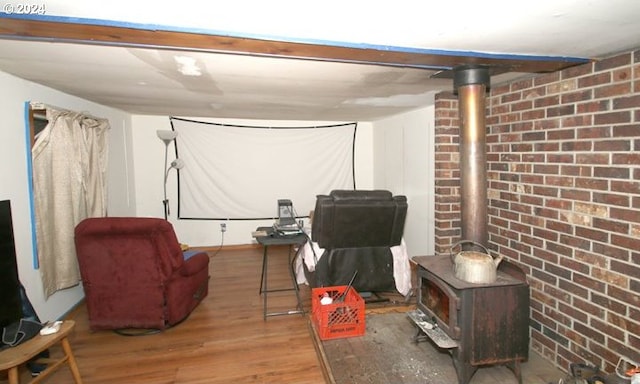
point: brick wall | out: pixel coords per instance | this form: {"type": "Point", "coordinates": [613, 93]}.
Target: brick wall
{"type": "Point", "coordinates": [563, 153]}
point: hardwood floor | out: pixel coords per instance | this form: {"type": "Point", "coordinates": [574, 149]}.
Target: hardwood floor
{"type": "Point", "coordinates": [224, 340]}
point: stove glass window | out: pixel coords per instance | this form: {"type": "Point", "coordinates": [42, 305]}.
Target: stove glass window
{"type": "Point", "coordinates": [435, 299]}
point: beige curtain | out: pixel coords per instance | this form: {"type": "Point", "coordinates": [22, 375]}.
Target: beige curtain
{"type": "Point", "coordinates": [69, 184]}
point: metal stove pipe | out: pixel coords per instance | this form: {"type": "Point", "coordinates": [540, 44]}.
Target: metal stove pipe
{"type": "Point", "coordinates": [471, 84]}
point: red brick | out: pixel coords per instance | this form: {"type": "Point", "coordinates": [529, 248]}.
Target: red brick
{"type": "Point", "coordinates": [590, 283]}
{"type": "Point", "coordinates": [559, 249]}
{"type": "Point", "coordinates": [626, 242]}
{"type": "Point", "coordinates": [612, 226]}
{"type": "Point", "coordinates": [574, 265]}
{"type": "Point", "coordinates": [611, 172]}
{"type": "Point", "coordinates": [577, 121]}
{"type": "Point", "coordinates": [626, 158]}
{"type": "Point", "coordinates": [626, 186]}
{"type": "Point", "coordinates": [561, 134]}
{"type": "Point", "coordinates": [615, 146]}
{"type": "Point", "coordinates": [560, 158]}
{"type": "Point", "coordinates": [575, 242]}
{"type": "Point", "coordinates": [547, 101]}
{"type": "Point", "coordinates": [576, 170]}
{"type": "Point", "coordinates": [627, 269]}
{"type": "Point", "coordinates": [576, 71]}
{"type": "Point", "coordinates": [561, 110]}
{"type": "Point", "coordinates": [575, 194]}
{"type": "Point", "coordinates": [521, 84]}
{"type": "Point", "coordinates": [593, 132]}
{"type": "Point", "coordinates": [612, 90]}
{"type": "Point", "coordinates": [626, 102]}
{"type": "Point", "coordinates": [510, 97]}
{"type": "Point", "coordinates": [593, 106]}
{"type": "Point", "coordinates": [591, 258]}
{"type": "Point", "coordinates": [619, 117]}
{"type": "Point", "coordinates": [592, 158]}
{"type": "Point", "coordinates": [625, 296]}
{"type": "Point", "coordinates": [611, 251]}
{"type": "Point", "coordinates": [613, 62]}
{"type": "Point", "coordinates": [611, 199]}
{"type": "Point", "coordinates": [558, 226]}
{"type": "Point", "coordinates": [632, 130]}
{"type": "Point", "coordinates": [521, 106]}
{"type": "Point", "coordinates": [610, 331]}
{"type": "Point", "coordinates": [533, 114]}
{"type": "Point", "coordinates": [575, 146]}
{"type": "Point", "coordinates": [546, 78]}
{"type": "Point", "coordinates": [547, 147]}
{"type": "Point", "coordinates": [622, 74]}
{"type": "Point", "coordinates": [559, 181]}
{"type": "Point", "coordinates": [579, 95]}
{"type": "Point", "coordinates": [593, 184]}
{"type": "Point", "coordinates": [593, 80]}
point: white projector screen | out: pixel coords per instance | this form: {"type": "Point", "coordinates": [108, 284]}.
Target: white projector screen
{"type": "Point", "coordinates": [235, 172]}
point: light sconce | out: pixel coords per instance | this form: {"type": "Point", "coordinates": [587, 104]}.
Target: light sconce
{"type": "Point", "coordinates": [167, 137]}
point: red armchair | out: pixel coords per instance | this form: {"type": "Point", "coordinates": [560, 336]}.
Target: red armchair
{"type": "Point", "coordinates": [134, 274]}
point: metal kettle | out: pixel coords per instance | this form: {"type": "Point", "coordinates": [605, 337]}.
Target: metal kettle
{"type": "Point", "coordinates": [475, 267]}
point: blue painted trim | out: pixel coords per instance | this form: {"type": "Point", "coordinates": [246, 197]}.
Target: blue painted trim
{"type": "Point", "coordinates": [27, 130]}
{"type": "Point", "coordinates": [423, 51]}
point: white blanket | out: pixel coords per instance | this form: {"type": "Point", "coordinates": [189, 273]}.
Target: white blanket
{"type": "Point", "coordinates": [401, 267]}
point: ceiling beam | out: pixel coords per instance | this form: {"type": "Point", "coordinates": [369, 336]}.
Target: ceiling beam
{"type": "Point", "coordinates": [86, 33]}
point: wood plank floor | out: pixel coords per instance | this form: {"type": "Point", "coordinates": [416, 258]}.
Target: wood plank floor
{"type": "Point", "coordinates": [225, 339]}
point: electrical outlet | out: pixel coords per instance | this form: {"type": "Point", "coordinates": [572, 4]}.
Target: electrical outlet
{"type": "Point", "coordinates": [223, 227]}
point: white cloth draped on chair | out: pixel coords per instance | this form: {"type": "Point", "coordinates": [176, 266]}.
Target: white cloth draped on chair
{"type": "Point", "coordinates": [69, 185]}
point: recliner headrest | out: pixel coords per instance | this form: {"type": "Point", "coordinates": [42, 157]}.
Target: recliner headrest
{"type": "Point", "coordinates": [349, 195]}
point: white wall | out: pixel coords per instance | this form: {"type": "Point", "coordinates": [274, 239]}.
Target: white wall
{"type": "Point", "coordinates": [14, 185]}
{"type": "Point", "coordinates": [404, 164]}
{"type": "Point", "coordinates": [149, 163]}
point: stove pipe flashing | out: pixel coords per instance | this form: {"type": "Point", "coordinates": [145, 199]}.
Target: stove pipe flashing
{"type": "Point", "coordinates": [471, 83]}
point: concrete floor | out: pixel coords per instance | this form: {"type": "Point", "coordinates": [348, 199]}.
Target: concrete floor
{"type": "Point", "coordinates": [387, 354]}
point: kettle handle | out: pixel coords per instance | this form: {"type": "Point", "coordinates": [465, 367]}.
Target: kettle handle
{"type": "Point", "coordinates": [459, 243]}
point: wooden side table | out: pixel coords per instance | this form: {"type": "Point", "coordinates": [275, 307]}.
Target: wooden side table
{"type": "Point", "coordinates": [12, 358]}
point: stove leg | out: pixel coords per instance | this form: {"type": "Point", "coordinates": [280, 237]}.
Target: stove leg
{"type": "Point", "coordinates": [419, 336]}
{"type": "Point", "coordinates": [464, 371]}
{"type": "Point", "coordinates": [515, 367]}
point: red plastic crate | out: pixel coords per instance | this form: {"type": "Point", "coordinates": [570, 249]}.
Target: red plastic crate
{"type": "Point", "coordinates": [338, 320]}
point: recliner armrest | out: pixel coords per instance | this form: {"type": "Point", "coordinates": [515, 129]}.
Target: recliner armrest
{"type": "Point", "coordinates": [194, 264]}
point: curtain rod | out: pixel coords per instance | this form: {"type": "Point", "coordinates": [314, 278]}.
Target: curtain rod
{"type": "Point", "coordinates": [40, 105]}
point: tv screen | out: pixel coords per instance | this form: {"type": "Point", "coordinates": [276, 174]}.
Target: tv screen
{"type": "Point", "coordinates": [10, 302]}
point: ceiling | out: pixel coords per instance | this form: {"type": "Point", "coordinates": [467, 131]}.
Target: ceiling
{"type": "Point", "coordinates": [361, 71]}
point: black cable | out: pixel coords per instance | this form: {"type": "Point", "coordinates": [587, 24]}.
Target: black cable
{"type": "Point", "coordinates": [221, 243]}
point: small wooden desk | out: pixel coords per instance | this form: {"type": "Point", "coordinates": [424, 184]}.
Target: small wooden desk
{"type": "Point", "coordinates": [12, 358]}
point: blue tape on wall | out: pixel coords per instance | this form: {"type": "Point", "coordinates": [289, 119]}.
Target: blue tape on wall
{"type": "Point", "coordinates": [27, 131]}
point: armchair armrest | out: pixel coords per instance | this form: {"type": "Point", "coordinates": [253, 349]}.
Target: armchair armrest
{"type": "Point", "coordinates": [194, 264]}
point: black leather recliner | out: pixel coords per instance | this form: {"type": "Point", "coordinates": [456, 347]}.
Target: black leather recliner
{"type": "Point", "coordinates": [356, 229]}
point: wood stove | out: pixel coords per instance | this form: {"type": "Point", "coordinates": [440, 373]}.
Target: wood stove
{"type": "Point", "coordinates": [480, 324]}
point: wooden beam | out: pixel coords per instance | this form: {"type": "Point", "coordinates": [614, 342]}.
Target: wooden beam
{"type": "Point", "coordinates": [58, 31]}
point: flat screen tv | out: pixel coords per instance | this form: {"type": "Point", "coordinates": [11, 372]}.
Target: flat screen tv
{"type": "Point", "coordinates": [10, 301]}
